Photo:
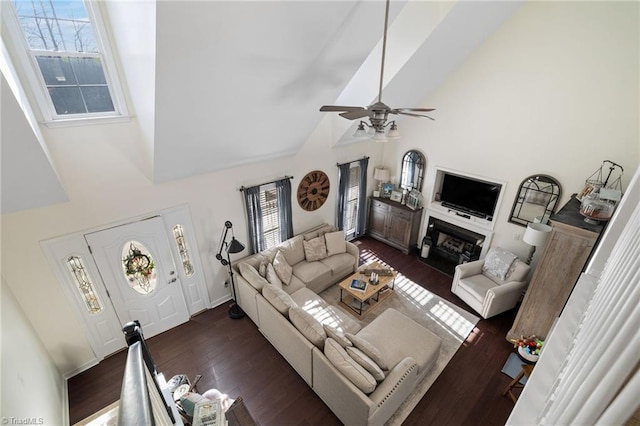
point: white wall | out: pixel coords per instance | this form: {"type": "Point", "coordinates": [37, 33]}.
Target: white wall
{"type": "Point", "coordinates": [32, 386]}
{"type": "Point", "coordinates": [555, 91]}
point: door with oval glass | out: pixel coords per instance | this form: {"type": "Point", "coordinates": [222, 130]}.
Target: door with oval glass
{"type": "Point", "coordinates": [138, 269]}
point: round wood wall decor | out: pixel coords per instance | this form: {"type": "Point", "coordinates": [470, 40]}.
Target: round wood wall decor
{"type": "Point", "coordinates": [313, 190]}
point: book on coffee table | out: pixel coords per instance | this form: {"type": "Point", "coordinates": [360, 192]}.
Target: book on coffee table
{"type": "Point", "coordinates": [358, 285]}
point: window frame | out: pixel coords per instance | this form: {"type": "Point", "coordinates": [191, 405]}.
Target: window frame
{"type": "Point", "coordinates": [30, 71]}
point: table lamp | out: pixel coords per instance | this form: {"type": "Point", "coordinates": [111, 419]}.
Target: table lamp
{"type": "Point", "coordinates": [381, 175]}
{"type": "Point", "coordinates": [535, 235]}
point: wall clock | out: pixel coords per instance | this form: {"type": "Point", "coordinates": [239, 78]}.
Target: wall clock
{"type": "Point", "coordinates": [313, 190]}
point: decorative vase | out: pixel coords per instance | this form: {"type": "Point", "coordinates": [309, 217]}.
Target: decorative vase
{"type": "Point", "coordinates": [526, 356]}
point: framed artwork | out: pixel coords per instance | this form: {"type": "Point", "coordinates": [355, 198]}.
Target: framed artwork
{"type": "Point", "coordinates": [387, 188]}
{"type": "Point", "coordinates": [396, 196]}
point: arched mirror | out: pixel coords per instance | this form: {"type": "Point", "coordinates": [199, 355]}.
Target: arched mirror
{"type": "Point", "coordinates": [536, 200]}
{"type": "Point", "coordinates": [413, 165]}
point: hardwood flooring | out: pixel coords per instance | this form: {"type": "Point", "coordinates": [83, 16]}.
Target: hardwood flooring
{"type": "Point", "coordinates": [232, 356]}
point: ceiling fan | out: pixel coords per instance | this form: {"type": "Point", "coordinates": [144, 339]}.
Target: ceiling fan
{"type": "Point", "coordinates": [378, 112]}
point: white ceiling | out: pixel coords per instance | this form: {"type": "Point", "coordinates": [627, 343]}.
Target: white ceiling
{"type": "Point", "coordinates": [239, 82]}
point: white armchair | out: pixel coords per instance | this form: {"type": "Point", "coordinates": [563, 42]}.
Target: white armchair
{"type": "Point", "coordinates": [486, 293]}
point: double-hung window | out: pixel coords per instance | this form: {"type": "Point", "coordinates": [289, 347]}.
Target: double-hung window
{"type": "Point", "coordinates": [270, 216]}
{"type": "Point", "coordinates": [353, 197]}
{"type": "Point", "coordinates": [61, 45]}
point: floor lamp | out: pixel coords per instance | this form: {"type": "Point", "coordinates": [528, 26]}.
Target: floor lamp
{"type": "Point", "coordinates": [231, 247]}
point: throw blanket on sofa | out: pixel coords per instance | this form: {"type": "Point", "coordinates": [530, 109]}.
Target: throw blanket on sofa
{"type": "Point", "coordinates": [498, 262]}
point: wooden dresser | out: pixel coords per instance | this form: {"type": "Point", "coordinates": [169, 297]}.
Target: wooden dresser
{"type": "Point", "coordinates": [564, 256]}
{"type": "Point", "coordinates": [393, 223]}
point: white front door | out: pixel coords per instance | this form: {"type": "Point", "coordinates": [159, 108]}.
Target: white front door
{"type": "Point", "coordinates": [138, 270]}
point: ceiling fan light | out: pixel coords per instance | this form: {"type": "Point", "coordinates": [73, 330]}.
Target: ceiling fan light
{"type": "Point", "coordinates": [380, 137]}
{"type": "Point", "coordinates": [393, 133]}
{"type": "Point", "coordinates": [360, 131]}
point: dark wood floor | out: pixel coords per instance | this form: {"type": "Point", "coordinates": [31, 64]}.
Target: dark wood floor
{"type": "Point", "coordinates": [232, 356]}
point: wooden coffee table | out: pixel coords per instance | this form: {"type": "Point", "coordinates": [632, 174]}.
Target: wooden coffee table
{"type": "Point", "coordinates": [373, 293]}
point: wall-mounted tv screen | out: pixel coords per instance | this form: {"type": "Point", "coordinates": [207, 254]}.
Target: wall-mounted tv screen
{"type": "Point", "coordinates": [473, 196]}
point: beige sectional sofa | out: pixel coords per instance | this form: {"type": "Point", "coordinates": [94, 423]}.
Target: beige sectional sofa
{"type": "Point", "coordinates": [362, 374]}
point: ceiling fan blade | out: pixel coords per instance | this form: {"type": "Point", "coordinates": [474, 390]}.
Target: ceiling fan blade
{"type": "Point", "coordinates": [353, 115]}
{"type": "Point", "coordinates": [395, 111]}
{"type": "Point", "coordinates": [337, 108]}
{"type": "Point", "coordinates": [415, 109]}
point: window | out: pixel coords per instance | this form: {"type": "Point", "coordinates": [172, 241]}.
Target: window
{"type": "Point", "coordinates": [66, 60]}
{"type": "Point", "coordinates": [181, 244]}
{"type": "Point", "coordinates": [351, 205]}
{"type": "Point", "coordinates": [270, 217]}
{"type": "Point", "coordinates": [268, 213]}
{"type": "Point", "coordinates": [353, 196]}
{"type": "Point", "coordinates": [84, 284]}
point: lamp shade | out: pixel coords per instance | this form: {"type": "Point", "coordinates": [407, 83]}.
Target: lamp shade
{"type": "Point", "coordinates": [381, 174]}
{"type": "Point", "coordinates": [536, 234]}
{"type": "Point", "coordinates": [235, 246]}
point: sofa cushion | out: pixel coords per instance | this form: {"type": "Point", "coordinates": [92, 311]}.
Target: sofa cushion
{"type": "Point", "coordinates": [346, 365]}
{"type": "Point", "coordinates": [294, 285]}
{"type": "Point", "coordinates": [305, 297]}
{"type": "Point", "coordinates": [308, 326]}
{"type": "Point", "coordinates": [278, 298]}
{"type": "Point", "coordinates": [336, 243]}
{"type": "Point", "coordinates": [283, 269]}
{"type": "Point", "coordinates": [250, 274]}
{"type": "Point", "coordinates": [315, 249]}
{"type": "Point", "coordinates": [366, 363]}
{"type": "Point", "coordinates": [311, 273]}
{"type": "Point", "coordinates": [369, 350]}
{"type": "Point", "coordinates": [272, 276]}
{"type": "Point", "coordinates": [336, 335]}
{"type": "Point", "coordinates": [293, 249]}
{"type": "Point", "coordinates": [340, 264]}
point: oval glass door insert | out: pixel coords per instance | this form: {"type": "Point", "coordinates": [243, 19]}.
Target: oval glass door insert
{"type": "Point", "coordinates": [138, 267]}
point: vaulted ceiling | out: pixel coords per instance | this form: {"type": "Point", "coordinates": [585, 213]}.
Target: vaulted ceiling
{"type": "Point", "coordinates": [217, 84]}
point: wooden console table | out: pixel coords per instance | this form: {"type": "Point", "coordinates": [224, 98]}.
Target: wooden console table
{"type": "Point", "coordinates": [394, 223]}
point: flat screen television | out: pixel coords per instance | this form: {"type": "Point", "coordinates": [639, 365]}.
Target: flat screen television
{"type": "Point", "coordinates": [472, 196]}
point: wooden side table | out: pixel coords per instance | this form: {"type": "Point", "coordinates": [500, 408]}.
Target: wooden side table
{"type": "Point", "coordinates": [515, 383]}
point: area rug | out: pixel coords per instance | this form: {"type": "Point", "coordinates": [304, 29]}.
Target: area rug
{"type": "Point", "coordinates": [450, 323]}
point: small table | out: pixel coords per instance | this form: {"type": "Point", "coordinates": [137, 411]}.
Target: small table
{"type": "Point", "coordinates": [376, 292]}
{"type": "Point", "coordinates": [526, 370]}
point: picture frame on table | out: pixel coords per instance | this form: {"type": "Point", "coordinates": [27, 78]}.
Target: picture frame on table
{"type": "Point", "coordinates": [396, 196]}
{"type": "Point", "coordinates": [387, 189]}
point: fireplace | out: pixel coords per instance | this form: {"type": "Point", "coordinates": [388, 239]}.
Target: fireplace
{"type": "Point", "coordinates": [451, 244]}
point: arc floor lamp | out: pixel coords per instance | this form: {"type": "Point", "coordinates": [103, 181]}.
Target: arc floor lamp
{"type": "Point", "coordinates": [232, 247]}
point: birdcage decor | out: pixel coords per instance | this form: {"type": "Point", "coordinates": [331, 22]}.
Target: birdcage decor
{"type": "Point", "coordinates": [599, 197]}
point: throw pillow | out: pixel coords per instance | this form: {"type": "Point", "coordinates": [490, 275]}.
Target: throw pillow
{"type": "Point", "coordinates": [369, 350]}
{"type": "Point", "coordinates": [353, 371]}
{"type": "Point", "coordinates": [279, 298]}
{"type": "Point", "coordinates": [283, 269]}
{"type": "Point", "coordinates": [293, 250]}
{"type": "Point", "coordinates": [308, 326]}
{"type": "Point", "coordinates": [336, 335]}
{"type": "Point", "coordinates": [272, 276]}
{"type": "Point", "coordinates": [315, 249]}
{"type": "Point", "coordinates": [262, 269]}
{"type": "Point", "coordinates": [498, 262]}
{"type": "Point", "coordinates": [335, 243]}
{"type": "Point", "coordinates": [250, 274]}
{"type": "Point", "coordinates": [366, 362]}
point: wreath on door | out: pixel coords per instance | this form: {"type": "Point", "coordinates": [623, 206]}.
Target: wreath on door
{"type": "Point", "coordinates": [138, 267]}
